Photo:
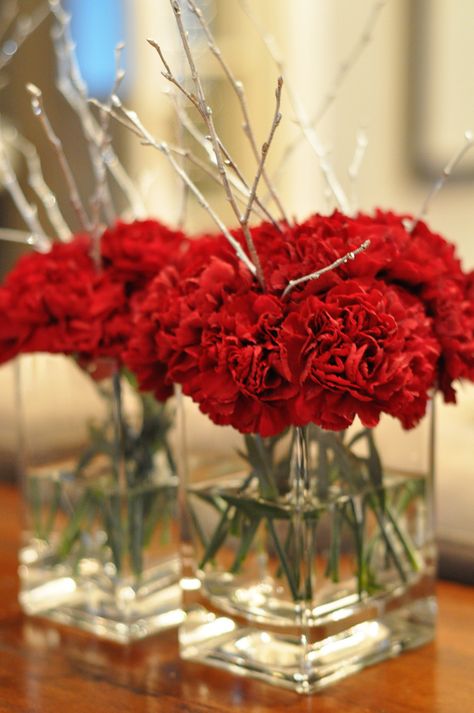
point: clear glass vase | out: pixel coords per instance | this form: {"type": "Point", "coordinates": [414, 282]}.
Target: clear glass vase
{"type": "Point", "coordinates": [100, 545]}
{"type": "Point", "coordinates": [309, 555]}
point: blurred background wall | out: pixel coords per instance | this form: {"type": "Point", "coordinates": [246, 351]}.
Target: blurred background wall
{"type": "Point", "coordinates": [411, 91]}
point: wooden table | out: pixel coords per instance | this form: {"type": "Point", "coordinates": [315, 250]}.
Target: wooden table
{"type": "Point", "coordinates": [48, 669]}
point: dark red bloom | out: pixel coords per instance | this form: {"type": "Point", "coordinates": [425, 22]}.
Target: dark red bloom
{"type": "Point", "coordinates": [259, 362]}
{"type": "Point", "coordinates": [451, 303]}
{"type": "Point", "coordinates": [135, 252]}
{"type": "Point", "coordinates": [362, 349]}
{"type": "Point", "coordinates": [61, 302]}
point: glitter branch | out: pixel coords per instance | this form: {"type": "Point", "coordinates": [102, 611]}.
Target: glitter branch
{"type": "Point", "coordinates": [27, 210]}
{"type": "Point", "coordinates": [316, 275]}
{"type": "Point", "coordinates": [445, 174]}
{"type": "Point", "coordinates": [132, 122]}
{"type": "Point", "coordinates": [38, 110]}
{"type": "Point", "coordinates": [239, 91]}
{"type": "Point", "coordinates": [38, 184]}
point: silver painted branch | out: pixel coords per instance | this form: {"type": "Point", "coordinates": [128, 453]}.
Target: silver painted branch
{"type": "Point", "coordinates": [264, 152]}
{"type": "Point", "coordinates": [72, 87]}
{"type": "Point", "coordinates": [238, 182]}
{"type": "Point", "coordinates": [55, 141]}
{"type": "Point", "coordinates": [24, 27]}
{"type": "Point", "coordinates": [437, 186]}
{"type": "Point", "coordinates": [301, 116]}
{"type": "Point", "coordinates": [27, 210]}
{"type": "Point", "coordinates": [38, 184]}
{"type": "Point", "coordinates": [316, 275]}
{"type": "Point", "coordinates": [133, 124]}
{"type": "Point", "coordinates": [206, 113]}
{"type": "Point", "coordinates": [239, 91]}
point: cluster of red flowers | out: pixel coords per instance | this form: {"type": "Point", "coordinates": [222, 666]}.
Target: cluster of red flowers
{"type": "Point", "coordinates": [62, 302]}
{"type": "Point", "coordinates": [374, 336]}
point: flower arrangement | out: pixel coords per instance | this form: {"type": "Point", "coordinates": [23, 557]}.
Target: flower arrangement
{"type": "Point", "coordinates": [377, 335]}
{"type": "Point", "coordinates": [301, 336]}
{"type": "Point", "coordinates": [101, 513]}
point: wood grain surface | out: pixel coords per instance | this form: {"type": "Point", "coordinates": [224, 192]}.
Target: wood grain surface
{"type": "Point", "coordinates": [49, 669]}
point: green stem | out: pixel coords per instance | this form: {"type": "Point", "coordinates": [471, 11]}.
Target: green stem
{"type": "Point", "coordinates": [245, 543]}
{"type": "Point", "coordinates": [283, 560]}
{"type": "Point", "coordinates": [73, 529]}
{"type": "Point", "coordinates": [386, 538]}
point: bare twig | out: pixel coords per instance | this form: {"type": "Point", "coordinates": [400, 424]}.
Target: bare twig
{"type": "Point", "coordinates": [28, 211]}
{"type": "Point", "coordinates": [206, 112]}
{"type": "Point", "coordinates": [356, 163]}
{"type": "Point", "coordinates": [242, 197]}
{"type": "Point", "coordinates": [316, 275]}
{"type": "Point", "coordinates": [23, 237]}
{"type": "Point", "coordinates": [55, 141]}
{"type": "Point", "coordinates": [72, 87]}
{"type": "Point", "coordinates": [101, 199]}
{"type": "Point", "coordinates": [24, 27]}
{"type": "Point", "coordinates": [133, 123]}
{"type": "Point", "coordinates": [38, 184]}
{"type": "Point", "coordinates": [239, 91]}
{"type": "Point", "coordinates": [446, 173]}
{"type": "Point", "coordinates": [344, 69]}
{"type": "Point", "coordinates": [236, 178]}
{"type": "Point", "coordinates": [301, 117]}
{"type": "Point", "coordinates": [264, 152]}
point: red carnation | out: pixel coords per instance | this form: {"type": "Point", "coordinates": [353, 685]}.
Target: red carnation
{"type": "Point", "coordinates": [136, 252]}
{"type": "Point", "coordinates": [260, 363]}
{"type": "Point", "coordinates": [451, 303]}
{"type": "Point", "coordinates": [362, 349]}
{"type": "Point", "coordinates": [58, 302]}
{"type": "Point", "coordinates": [61, 302]}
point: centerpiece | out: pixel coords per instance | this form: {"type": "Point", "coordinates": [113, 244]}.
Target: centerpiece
{"type": "Point", "coordinates": [309, 544]}
{"type": "Point", "coordinates": [313, 350]}
{"type": "Point", "coordinates": [99, 478]}
{"type": "Point", "coordinates": [97, 467]}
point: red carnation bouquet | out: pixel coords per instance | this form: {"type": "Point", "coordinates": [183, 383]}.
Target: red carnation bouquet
{"type": "Point", "coordinates": [378, 334]}
{"type": "Point", "coordinates": [301, 336]}
{"type": "Point", "coordinates": [62, 301]}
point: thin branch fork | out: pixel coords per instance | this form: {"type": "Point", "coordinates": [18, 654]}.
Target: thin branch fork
{"type": "Point", "coordinates": [72, 87]}
{"type": "Point", "coordinates": [238, 89]}
{"type": "Point", "coordinates": [300, 115]}
{"type": "Point", "coordinates": [316, 275]}
{"type": "Point", "coordinates": [243, 191]}
{"type": "Point", "coordinates": [437, 186]}
{"type": "Point", "coordinates": [206, 113]}
{"type": "Point", "coordinates": [265, 150]}
{"type": "Point", "coordinates": [37, 182]}
{"type": "Point", "coordinates": [27, 210]}
{"type": "Point", "coordinates": [55, 141]}
{"type": "Point", "coordinates": [133, 123]}
{"type": "Point", "coordinates": [243, 194]}
{"type": "Point", "coordinates": [237, 180]}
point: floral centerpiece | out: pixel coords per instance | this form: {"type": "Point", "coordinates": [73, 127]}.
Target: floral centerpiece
{"type": "Point", "coordinates": [100, 507]}
{"type": "Point", "coordinates": [315, 349]}
{"type": "Point", "coordinates": [100, 546]}
{"type": "Point", "coordinates": [308, 528]}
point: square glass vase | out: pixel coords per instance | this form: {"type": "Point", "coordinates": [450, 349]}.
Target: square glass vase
{"type": "Point", "coordinates": [309, 555]}
{"type": "Point", "coordinates": [100, 546]}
